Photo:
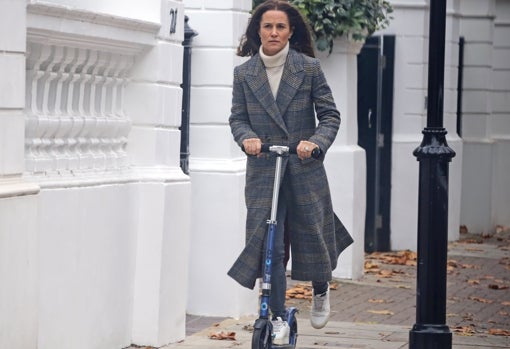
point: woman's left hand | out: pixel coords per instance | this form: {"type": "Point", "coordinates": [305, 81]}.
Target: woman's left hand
{"type": "Point", "coordinates": [304, 149]}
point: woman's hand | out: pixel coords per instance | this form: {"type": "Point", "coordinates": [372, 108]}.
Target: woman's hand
{"type": "Point", "coordinates": [252, 146]}
{"type": "Point", "coordinates": [304, 149]}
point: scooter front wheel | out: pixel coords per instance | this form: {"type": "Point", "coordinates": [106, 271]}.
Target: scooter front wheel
{"type": "Point", "coordinates": [262, 334]}
{"type": "Point", "coordinates": [292, 321]}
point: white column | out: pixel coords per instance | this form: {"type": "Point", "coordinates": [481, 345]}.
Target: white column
{"type": "Point", "coordinates": [500, 123]}
{"type": "Point", "coordinates": [345, 161]}
{"type": "Point", "coordinates": [450, 120]}
{"type": "Point", "coordinates": [477, 27]}
{"type": "Point", "coordinates": [217, 167]}
{"type": "Point", "coordinates": [18, 204]}
{"type": "Point", "coordinates": [410, 24]}
{"type": "Point", "coordinates": [153, 104]}
{"type": "Point", "coordinates": [12, 85]}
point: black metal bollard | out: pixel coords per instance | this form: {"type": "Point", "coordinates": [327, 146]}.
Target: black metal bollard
{"type": "Point", "coordinates": [434, 155]}
{"type": "Point", "coordinates": [430, 330]}
{"type": "Point", "coordinates": [189, 34]}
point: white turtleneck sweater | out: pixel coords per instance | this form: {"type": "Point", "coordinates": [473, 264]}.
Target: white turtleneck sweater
{"type": "Point", "coordinates": [274, 67]}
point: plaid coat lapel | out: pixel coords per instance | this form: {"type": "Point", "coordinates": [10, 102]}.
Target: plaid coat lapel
{"type": "Point", "coordinates": [292, 78]}
{"type": "Point", "coordinates": [256, 78]}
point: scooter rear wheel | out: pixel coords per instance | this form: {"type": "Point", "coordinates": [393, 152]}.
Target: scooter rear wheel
{"type": "Point", "coordinates": [262, 334]}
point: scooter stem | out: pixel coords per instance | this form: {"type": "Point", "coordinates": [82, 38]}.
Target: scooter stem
{"type": "Point", "coordinates": [280, 151]}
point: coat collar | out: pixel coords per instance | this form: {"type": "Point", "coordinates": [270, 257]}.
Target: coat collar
{"type": "Point", "coordinates": [292, 77]}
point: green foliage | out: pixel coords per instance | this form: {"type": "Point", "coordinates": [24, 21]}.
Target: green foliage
{"type": "Point", "coordinates": [330, 19]}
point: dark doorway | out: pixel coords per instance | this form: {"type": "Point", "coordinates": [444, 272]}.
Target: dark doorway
{"type": "Point", "coordinates": [375, 114]}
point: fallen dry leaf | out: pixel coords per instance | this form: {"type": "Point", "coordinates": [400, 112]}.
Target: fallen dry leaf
{"type": "Point", "coordinates": [381, 312]}
{"type": "Point", "coordinates": [473, 282]}
{"type": "Point", "coordinates": [497, 287]}
{"type": "Point", "coordinates": [378, 301]}
{"type": "Point", "coordinates": [370, 265]}
{"type": "Point", "coordinates": [452, 263]}
{"type": "Point", "coordinates": [385, 273]}
{"type": "Point", "coordinates": [463, 330]}
{"type": "Point", "coordinates": [499, 332]}
{"type": "Point", "coordinates": [505, 303]}
{"type": "Point", "coordinates": [405, 257]}
{"type": "Point", "coordinates": [223, 336]}
{"type": "Point", "coordinates": [471, 241]}
{"type": "Point", "coordinates": [469, 266]}
{"type": "Point", "coordinates": [468, 317]}
{"type": "Point", "coordinates": [480, 299]}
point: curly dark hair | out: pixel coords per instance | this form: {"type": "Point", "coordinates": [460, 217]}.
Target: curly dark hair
{"type": "Point", "coordinates": [301, 40]}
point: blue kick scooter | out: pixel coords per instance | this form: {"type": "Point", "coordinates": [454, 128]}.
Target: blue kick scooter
{"type": "Point", "coordinates": [263, 327]}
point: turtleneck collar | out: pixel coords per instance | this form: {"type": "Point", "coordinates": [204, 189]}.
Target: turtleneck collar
{"type": "Point", "coordinates": [275, 60]}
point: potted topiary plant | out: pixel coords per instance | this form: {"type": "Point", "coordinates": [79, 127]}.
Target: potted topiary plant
{"type": "Point", "coordinates": [330, 19]}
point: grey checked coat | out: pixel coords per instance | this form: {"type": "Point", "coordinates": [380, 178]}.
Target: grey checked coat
{"type": "Point", "coordinates": [317, 236]}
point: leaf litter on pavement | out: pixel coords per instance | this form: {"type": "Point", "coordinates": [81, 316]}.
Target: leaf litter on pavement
{"type": "Point", "coordinates": [305, 291]}
{"type": "Point", "coordinates": [222, 335]}
{"type": "Point", "coordinates": [382, 266]}
{"type": "Point", "coordinates": [501, 239]}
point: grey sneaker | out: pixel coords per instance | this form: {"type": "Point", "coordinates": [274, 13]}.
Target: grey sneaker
{"type": "Point", "coordinates": [281, 331]}
{"type": "Point", "coordinates": [319, 315]}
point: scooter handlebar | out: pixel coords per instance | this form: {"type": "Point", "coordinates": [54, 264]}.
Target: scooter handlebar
{"type": "Point", "coordinates": [270, 148]}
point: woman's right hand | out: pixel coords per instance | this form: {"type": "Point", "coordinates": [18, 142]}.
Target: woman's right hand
{"type": "Point", "coordinates": [252, 146]}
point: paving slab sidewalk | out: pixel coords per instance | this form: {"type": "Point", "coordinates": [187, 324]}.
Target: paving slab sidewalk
{"type": "Point", "coordinates": [339, 335]}
{"type": "Point", "coordinates": [378, 311]}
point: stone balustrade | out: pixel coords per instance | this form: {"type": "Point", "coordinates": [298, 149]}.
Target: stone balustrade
{"type": "Point", "coordinates": [74, 99]}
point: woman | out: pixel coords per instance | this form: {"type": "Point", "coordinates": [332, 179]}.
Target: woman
{"type": "Point", "coordinates": [276, 95]}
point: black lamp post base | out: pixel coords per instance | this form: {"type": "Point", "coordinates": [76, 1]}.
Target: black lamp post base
{"type": "Point", "coordinates": [430, 337]}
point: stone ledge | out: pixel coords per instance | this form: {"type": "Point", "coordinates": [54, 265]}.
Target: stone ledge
{"type": "Point", "coordinates": [79, 28]}
{"type": "Point", "coordinates": [12, 187]}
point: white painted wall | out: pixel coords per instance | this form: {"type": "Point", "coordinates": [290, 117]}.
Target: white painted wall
{"type": "Point", "coordinates": [95, 211]}
{"type": "Point", "coordinates": [500, 123]}
{"type": "Point", "coordinates": [18, 267]}
{"type": "Point", "coordinates": [486, 120]}
{"type": "Point", "coordinates": [411, 27]}
{"type": "Point", "coordinates": [86, 267]}
{"type": "Point", "coordinates": [477, 28]}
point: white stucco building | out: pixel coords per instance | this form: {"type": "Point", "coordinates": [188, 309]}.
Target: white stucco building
{"type": "Point", "coordinates": [105, 242]}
